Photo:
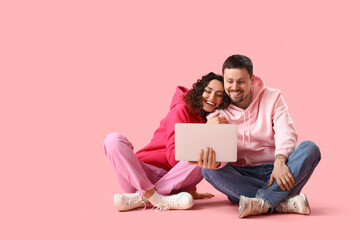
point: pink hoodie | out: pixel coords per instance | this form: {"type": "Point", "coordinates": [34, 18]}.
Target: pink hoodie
{"type": "Point", "coordinates": [265, 128]}
{"type": "Point", "coordinates": [160, 151]}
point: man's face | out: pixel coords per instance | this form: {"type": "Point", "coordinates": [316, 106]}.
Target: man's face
{"type": "Point", "coordinates": [237, 84]}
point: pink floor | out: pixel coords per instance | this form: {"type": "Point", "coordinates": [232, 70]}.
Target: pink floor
{"type": "Point", "coordinates": [216, 218]}
{"type": "Point", "coordinates": [70, 196]}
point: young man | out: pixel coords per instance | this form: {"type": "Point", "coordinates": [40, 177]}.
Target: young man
{"type": "Point", "coordinates": [269, 173]}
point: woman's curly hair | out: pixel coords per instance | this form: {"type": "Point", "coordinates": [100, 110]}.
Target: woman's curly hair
{"type": "Point", "coordinates": [193, 97]}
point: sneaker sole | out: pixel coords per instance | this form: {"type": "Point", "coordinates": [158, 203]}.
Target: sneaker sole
{"type": "Point", "coordinates": [306, 210]}
{"type": "Point", "coordinates": [242, 205]}
{"type": "Point", "coordinates": [117, 200]}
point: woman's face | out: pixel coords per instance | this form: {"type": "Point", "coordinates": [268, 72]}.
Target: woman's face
{"type": "Point", "coordinates": [213, 95]}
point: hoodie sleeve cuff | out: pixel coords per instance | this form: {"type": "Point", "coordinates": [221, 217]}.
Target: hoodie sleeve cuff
{"type": "Point", "coordinates": [286, 153]}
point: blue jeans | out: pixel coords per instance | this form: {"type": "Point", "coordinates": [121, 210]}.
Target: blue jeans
{"type": "Point", "coordinates": [252, 181]}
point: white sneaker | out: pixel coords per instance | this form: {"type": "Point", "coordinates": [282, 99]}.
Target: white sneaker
{"type": "Point", "coordinates": [294, 204]}
{"type": "Point", "coordinates": [127, 201]}
{"type": "Point", "coordinates": [252, 206]}
{"type": "Point", "coordinates": [181, 200]}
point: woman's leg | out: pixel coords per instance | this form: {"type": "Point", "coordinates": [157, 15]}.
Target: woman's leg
{"type": "Point", "coordinates": [130, 172]}
{"type": "Point", "coordinates": [132, 175]}
{"type": "Point", "coordinates": [183, 177]}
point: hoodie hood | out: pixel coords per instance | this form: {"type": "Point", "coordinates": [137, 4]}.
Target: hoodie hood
{"type": "Point", "coordinates": [178, 96]}
{"type": "Point", "coordinates": [257, 87]}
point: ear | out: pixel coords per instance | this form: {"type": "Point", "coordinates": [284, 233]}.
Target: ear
{"type": "Point", "coordinates": [252, 79]}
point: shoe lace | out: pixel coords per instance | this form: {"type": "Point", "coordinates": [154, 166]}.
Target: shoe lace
{"type": "Point", "coordinates": [288, 206]}
{"type": "Point", "coordinates": [133, 201]}
{"type": "Point", "coordinates": [161, 207]}
{"type": "Point", "coordinates": [164, 205]}
{"type": "Point", "coordinates": [293, 205]}
{"type": "Point", "coordinates": [257, 206]}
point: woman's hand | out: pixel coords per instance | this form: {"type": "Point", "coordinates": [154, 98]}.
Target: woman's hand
{"type": "Point", "coordinates": [197, 195]}
{"type": "Point", "coordinates": [216, 119]}
{"type": "Point", "coordinates": [209, 160]}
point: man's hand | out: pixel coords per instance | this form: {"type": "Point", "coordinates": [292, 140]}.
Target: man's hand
{"type": "Point", "coordinates": [209, 161]}
{"type": "Point", "coordinates": [216, 119]}
{"type": "Point", "coordinates": [281, 173]}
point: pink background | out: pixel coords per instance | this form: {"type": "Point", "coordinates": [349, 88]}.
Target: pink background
{"type": "Point", "coordinates": [73, 71]}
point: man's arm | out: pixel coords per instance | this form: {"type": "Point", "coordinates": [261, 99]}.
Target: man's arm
{"type": "Point", "coordinates": [285, 142]}
{"type": "Point", "coordinates": [285, 133]}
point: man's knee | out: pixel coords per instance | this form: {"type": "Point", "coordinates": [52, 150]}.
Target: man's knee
{"type": "Point", "coordinates": [205, 173]}
{"type": "Point", "coordinates": [208, 173]}
{"type": "Point", "coordinates": [311, 150]}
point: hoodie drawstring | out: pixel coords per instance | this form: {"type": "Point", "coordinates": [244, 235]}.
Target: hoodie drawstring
{"type": "Point", "coordinates": [248, 124]}
{"type": "Point", "coordinates": [243, 140]}
{"type": "Point", "coordinates": [249, 121]}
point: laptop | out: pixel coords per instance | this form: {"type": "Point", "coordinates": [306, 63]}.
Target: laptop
{"type": "Point", "coordinates": [190, 138]}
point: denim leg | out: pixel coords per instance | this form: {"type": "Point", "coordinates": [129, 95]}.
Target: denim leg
{"type": "Point", "coordinates": [301, 163]}
{"type": "Point", "coordinates": [304, 171]}
{"type": "Point", "coordinates": [233, 181]}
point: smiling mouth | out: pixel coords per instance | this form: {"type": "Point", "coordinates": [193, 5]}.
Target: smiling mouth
{"type": "Point", "coordinates": [210, 103]}
{"type": "Point", "coordinates": [236, 93]}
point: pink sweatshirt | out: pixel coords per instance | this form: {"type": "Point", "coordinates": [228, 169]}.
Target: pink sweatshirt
{"type": "Point", "coordinates": [265, 128]}
{"type": "Point", "coordinates": [160, 151]}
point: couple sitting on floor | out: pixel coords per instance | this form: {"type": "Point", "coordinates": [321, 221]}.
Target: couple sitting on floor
{"type": "Point", "coordinates": [269, 172]}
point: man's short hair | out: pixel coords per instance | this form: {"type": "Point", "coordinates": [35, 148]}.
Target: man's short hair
{"type": "Point", "coordinates": [238, 61]}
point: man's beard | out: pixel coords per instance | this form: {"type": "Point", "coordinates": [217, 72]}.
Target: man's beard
{"type": "Point", "coordinates": [242, 98]}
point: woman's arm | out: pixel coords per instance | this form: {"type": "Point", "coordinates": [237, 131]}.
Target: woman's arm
{"type": "Point", "coordinates": [179, 114]}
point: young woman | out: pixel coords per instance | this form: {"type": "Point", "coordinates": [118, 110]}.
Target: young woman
{"type": "Point", "coordinates": [152, 174]}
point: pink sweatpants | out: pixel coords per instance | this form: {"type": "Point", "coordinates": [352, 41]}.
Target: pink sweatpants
{"type": "Point", "coordinates": [134, 175]}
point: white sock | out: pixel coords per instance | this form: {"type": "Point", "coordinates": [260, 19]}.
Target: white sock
{"type": "Point", "coordinates": [155, 198]}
